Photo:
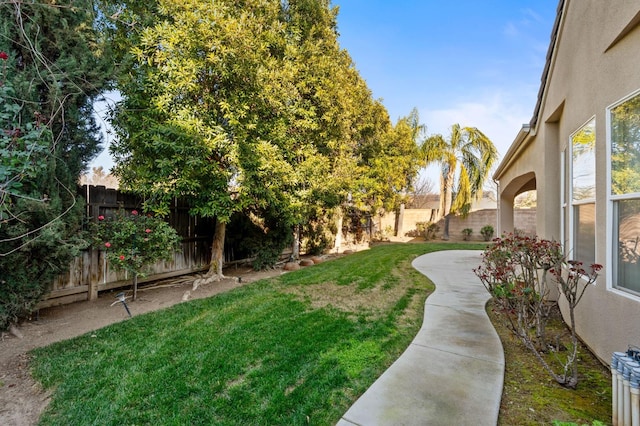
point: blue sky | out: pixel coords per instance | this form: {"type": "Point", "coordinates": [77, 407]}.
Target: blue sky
{"type": "Point", "coordinates": [475, 63]}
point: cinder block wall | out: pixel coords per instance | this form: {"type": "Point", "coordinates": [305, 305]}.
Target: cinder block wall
{"type": "Point", "coordinates": [475, 221]}
{"type": "Point", "coordinates": [411, 217]}
{"type": "Point", "coordinates": [524, 220]}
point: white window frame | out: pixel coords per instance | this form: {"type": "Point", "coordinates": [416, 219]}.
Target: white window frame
{"type": "Point", "coordinates": [571, 203]}
{"type": "Point", "coordinates": [564, 237]}
{"type": "Point", "coordinates": [611, 199]}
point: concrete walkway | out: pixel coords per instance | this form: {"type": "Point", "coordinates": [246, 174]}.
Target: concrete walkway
{"type": "Point", "coordinates": [452, 373]}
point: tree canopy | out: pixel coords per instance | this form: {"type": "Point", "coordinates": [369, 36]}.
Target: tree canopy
{"type": "Point", "coordinates": [242, 107]}
{"type": "Point", "coordinates": [245, 106]}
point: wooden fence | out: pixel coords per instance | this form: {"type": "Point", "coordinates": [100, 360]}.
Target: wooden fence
{"type": "Point", "coordinates": [90, 272]}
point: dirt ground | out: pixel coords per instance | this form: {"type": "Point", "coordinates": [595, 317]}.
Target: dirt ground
{"type": "Point", "coordinates": [22, 400]}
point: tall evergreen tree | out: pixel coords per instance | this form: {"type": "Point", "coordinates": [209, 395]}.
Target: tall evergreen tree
{"type": "Point", "coordinates": [54, 69]}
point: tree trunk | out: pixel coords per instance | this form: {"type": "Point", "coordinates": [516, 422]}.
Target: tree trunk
{"type": "Point", "coordinates": [448, 189]}
{"type": "Point", "coordinates": [572, 358]}
{"type": "Point", "coordinates": [441, 201]}
{"type": "Point", "coordinates": [338, 239]}
{"type": "Point", "coordinates": [217, 250]}
{"type": "Point", "coordinates": [445, 233]}
{"type": "Point", "coordinates": [295, 248]}
{"type": "Point", "coordinates": [400, 221]}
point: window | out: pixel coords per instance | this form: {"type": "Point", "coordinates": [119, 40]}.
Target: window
{"type": "Point", "coordinates": [626, 225]}
{"type": "Point", "coordinates": [624, 132]}
{"type": "Point", "coordinates": [563, 199]}
{"type": "Point", "coordinates": [583, 193]}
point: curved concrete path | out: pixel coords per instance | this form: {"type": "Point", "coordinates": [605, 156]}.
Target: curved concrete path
{"type": "Point", "coordinates": [453, 371]}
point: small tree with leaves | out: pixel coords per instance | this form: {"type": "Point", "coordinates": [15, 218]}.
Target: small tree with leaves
{"type": "Point", "coordinates": [515, 270]}
{"type": "Point", "coordinates": [133, 241]}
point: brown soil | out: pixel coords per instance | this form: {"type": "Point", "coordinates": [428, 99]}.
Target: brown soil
{"type": "Point", "coordinates": [22, 400]}
{"type": "Point", "coordinates": [531, 396]}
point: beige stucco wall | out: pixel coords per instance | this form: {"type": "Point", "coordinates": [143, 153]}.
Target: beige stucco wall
{"type": "Point", "coordinates": [588, 73]}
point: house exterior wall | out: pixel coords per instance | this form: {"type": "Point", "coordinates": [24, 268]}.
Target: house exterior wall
{"type": "Point", "coordinates": [588, 72]}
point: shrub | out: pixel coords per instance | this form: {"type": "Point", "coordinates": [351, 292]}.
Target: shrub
{"type": "Point", "coordinates": [487, 232]}
{"type": "Point", "coordinates": [269, 246]}
{"type": "Point", "coordinates": [133, 241]}
{"type": "Point", "coordinates": [318, 237]}
{"type": "Point", "coordinates": [427, 230]}
{"type": "Point", "coordinates": [431, 231]}
{"type": "Point", "coordinates": [30, 262]}
{"type": "Point", "coordinates": [514, 271]}
{"type": "Point", "coordinates": [466, 233]}
{"type": "Point", "coordinates": [419, 231]}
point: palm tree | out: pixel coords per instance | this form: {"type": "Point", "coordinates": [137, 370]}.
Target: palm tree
{"type": "Point", "coordinates": [465, 161]}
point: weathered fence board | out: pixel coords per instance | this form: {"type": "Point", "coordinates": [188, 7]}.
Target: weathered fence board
{"type": "Point", "coordinates": [91, 273]}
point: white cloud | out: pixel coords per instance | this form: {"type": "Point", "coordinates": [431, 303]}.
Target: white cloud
{"type": "Point", "coordinates": [497, 115]}
{"type": "Point", "coordinates": [532, 15]}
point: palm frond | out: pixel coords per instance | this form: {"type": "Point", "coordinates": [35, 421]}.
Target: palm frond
{"type": "Point", "coordinates": [471, 154]}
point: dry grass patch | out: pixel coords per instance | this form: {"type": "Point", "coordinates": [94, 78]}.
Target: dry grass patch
{"type": "Point", "coordinates": [348, 298]}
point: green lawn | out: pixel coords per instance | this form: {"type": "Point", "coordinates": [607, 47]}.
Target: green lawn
{"type": "Point", "coordinates": [294, 350]}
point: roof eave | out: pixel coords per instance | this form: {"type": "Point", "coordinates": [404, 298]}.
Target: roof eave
{"type": "Point", "coordinates": [518, 144]}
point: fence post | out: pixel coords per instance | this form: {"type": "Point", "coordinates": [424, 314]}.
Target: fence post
{"type": "Point", "coordinates": [94, 274]}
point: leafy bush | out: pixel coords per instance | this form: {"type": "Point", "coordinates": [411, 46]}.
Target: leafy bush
{"type": "Point", "coordinates": [318, 236]}
{"type": "Point", "coordinates": [30, 262]}
{"type": "Point", "coordinates": [320, 231]}
{"type": "Point", "coordinates": [384, 234]}
{"type": "Point", "coordinates": [428, 230]}
{"type": "Point", "coordinates": [419, 231]}
{"type": "Point", "coordinates": [487, 232]}
{"type": "Point", "coordinates": [35, 244]}
{"type": "Point", "coordinates": [466, 233]}
{"type": "Point", "coordinates": [269, 247]}
{"type": "Point", "coordinates": [514, 270]}
{"type": "Point", "coordinates": [133, 241]}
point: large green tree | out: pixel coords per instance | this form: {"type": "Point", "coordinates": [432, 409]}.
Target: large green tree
{"type": "Point", "coordinates": [314, 118]}
{"type": "Point", "coordinates": [465, 160]}
{"type": "Point", "coordinates": [193, 101]}
{"type": "Point", "coordinates": [53, 66]}
{"type": "Point", "coordinates": [390, 161]}
{"type": "Point", "coordinates": [239, 106]}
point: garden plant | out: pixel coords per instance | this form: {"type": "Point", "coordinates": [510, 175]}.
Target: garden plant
{"type": "Point", "coordinates": [133, 241]}
{"type": "Point", "coordinates": [53, 66]}
{"type": "Point", "coordinates": [515, 270]}
{"type": "Point", "coordinates": [487, 232]}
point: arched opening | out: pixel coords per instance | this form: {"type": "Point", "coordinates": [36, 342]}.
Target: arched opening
{"type": "Point", "coordinates": [509, 218]}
